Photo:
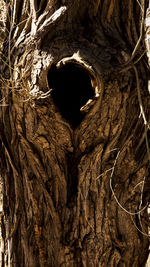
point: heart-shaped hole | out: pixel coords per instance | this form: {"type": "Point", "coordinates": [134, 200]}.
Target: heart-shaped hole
{"type": "Point", "coordinates": [71, 90]}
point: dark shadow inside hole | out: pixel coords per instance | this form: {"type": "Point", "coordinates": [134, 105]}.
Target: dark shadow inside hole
{"type": "Point", "coordinates": [72, 88]}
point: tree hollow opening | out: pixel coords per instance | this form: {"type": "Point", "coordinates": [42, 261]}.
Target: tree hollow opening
{"type": "Point", "coordinates": [71, 90]}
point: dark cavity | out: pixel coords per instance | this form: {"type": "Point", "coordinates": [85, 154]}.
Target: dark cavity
{"type": "Point", "coordinates": [72, 88]}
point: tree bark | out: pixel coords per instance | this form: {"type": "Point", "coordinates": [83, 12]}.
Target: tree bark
{"type": "Point", "coordinates": [75, 172]}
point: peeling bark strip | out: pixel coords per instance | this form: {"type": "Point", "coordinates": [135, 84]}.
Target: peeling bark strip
{"type": "Point", "coordinates": [74, 155]}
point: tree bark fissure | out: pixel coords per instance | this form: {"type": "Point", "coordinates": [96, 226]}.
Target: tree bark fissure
{"type": "Point", "coordinates": [73, 195]}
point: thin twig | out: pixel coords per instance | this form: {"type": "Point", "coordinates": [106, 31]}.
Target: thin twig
{"type": "Point", "coordinates": [143, 233]}
{"type": "Point", "coordinates": [140, 37]}
{"type": "Point", "coordinates": [139, 96]}
{"type": "Point", "coordinates": [147, 126]}
{"type": "Point", "coordinates": [130, 213]}
{"type": "Point", "coordinates": [141, 202]}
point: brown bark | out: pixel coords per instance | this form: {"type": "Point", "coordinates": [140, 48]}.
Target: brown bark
{"type": "Point", "coordinates": [75, 180]}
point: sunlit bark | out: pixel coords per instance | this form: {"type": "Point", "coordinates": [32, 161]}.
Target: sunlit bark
{"type": "Point", "coordinates": [75, 169]}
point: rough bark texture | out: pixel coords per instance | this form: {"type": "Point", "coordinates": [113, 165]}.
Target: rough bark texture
{"type": "Point", "coordinates": [63, 182]}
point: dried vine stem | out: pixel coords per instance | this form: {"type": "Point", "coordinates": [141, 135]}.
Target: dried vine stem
{"type": "Point", "coordinates": [142, 7]}
{"type": "Point", "coordinates": [147, 126]}
{"type": "Point", "coordinates": [127, 65]}
{"type": "Point", "coordinates": [111, 176]}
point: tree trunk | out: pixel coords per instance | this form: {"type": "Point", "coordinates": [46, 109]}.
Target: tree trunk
{"type": "Point", "coordinates": [74, 133]}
